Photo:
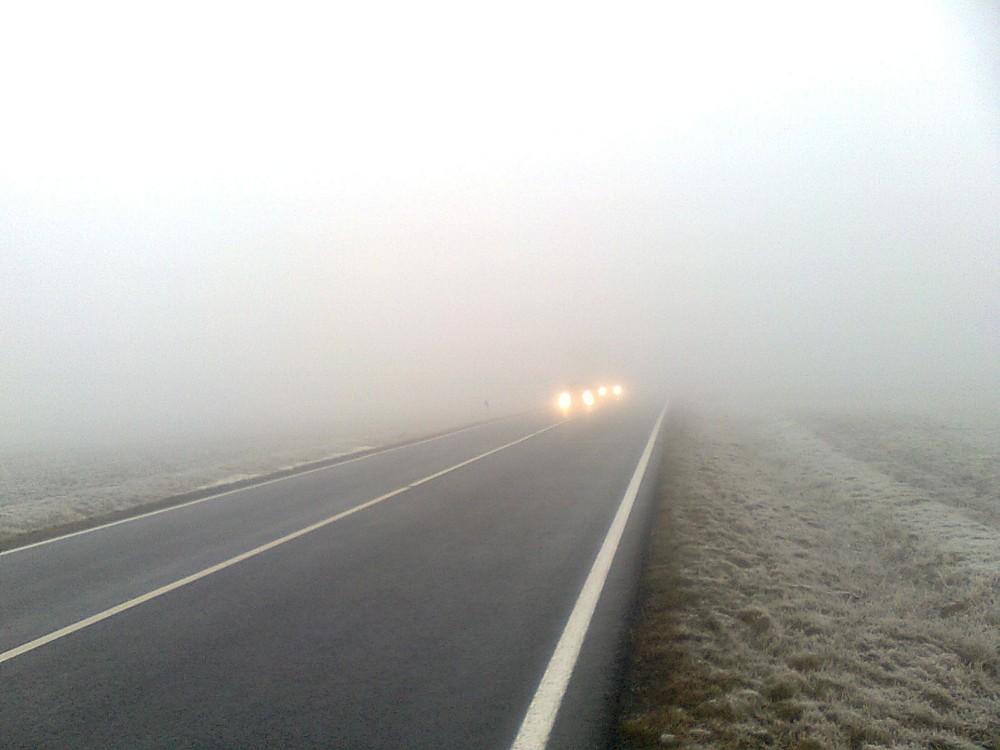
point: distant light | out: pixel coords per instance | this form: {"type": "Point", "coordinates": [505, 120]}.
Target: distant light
{"type": "Point", "coordinates": [565, 401]}
{"type": "Point", "coordinates": [617, 390]}
{"type": "Point", "coordinates": [602, 391]}
{"type": "Point", "coordinates": [588, 398]}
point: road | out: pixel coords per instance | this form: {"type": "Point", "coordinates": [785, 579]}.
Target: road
{"type": "Point", "coordinates": [464, 591]}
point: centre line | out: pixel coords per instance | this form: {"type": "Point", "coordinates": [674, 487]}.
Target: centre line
{"type": "Point", "coordinates": [348, 459]}
{"type": "Point", "coordinates": [124, 606]}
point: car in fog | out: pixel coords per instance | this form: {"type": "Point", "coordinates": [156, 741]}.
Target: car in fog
{"type": "Point", "coordinates": [585, 397]}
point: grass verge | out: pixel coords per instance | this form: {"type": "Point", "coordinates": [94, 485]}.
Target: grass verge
{"type": "Point", "coordinates": [783, 607]}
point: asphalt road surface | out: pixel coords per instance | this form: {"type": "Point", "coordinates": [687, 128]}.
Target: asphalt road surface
{"type": "Point", "coordinates": [465, 591]}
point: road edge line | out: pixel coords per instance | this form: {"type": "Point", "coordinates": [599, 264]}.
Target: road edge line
{"type": "Point", "coordinates": [205, 572]}
{"type": "Point", "coordinates": [536, 727]}
{"type": "Point", "coordinates": [348, 459]}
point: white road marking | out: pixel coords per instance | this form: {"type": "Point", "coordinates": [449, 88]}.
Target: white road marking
{"type": "Point", "coordinates": [112, 611]}
{"type": "Point", "coordinates": [224, 493]}
{"type": "Point", "coordinates": [541, 715]}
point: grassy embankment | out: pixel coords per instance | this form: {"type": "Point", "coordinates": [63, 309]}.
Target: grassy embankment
{"type": "Point", "coordinates": [795, 598]}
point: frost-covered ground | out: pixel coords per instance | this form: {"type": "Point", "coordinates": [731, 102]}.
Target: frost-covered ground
{"type": "Point", "coordinates": [822, 581]}
{"type": "Point", "coordinates": [40, 489]}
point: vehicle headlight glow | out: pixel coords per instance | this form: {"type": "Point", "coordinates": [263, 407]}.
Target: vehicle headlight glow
{"type": "Point", "coordinates": [588, 398]}
{"type": "Point", "coordinates": [565, 401]}
{"type": "Point", "coordinates": [602, 391]}
{"type": "Point", "coordinates": [617, 390]}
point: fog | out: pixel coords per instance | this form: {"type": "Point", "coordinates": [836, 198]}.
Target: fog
{"type": "Point", "coordinates": [397, 218]}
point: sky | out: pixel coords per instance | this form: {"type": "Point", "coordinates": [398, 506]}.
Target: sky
{"type": "Point", "coordinates": [254, 216]}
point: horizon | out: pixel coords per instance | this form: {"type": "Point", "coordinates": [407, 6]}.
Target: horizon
{"type": "Point", "coordinates": [299, 218]}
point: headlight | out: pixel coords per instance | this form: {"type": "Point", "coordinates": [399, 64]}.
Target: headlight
{"type": "Point", "coordinates": [617, 390]}
{"type": "Point", "coordinates": [565, 401]}
{"type": "Point", "coordinates": [602, 391]}
{"type": "Point", "coordinates": [588, 398]}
